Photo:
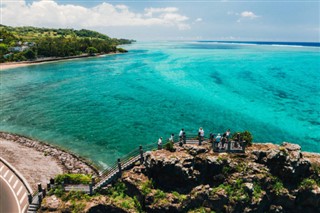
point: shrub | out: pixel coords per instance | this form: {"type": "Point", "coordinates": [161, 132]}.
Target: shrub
{"type": "Point", "coordinates": [77, 207]}
{"type": "Point", "coordinates": [75, 195]}
{"type": "Point", "coordinates": [159, 195]}
{"type": "Point", "coordinates": [257, 191]}
{"type": "Point", "coordinates": [246, 136]}
{"type": "Point", "coordinates": [137, 204]}
{"type": "Point", "coordinates": [180, 197]}
{"type": "Point", "coordinates": [278, 186]}
{"type": "Point", "coordinates": [73, 179]}
{"type": "Point", "coordinates": [121, 50]}
{"type": "Point", "coordinates": [169, 146]}
{"type": "Point", "coordinates": [147, 187]}
{"type": "Point", "coordinates": [308, 184]}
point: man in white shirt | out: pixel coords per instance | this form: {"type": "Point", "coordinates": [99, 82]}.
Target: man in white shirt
{"type": "Point", "coordinates": [160, 143]}
{"type": "Point", "coordinates": [201, 135]}
{"type": "Point", "coordinates": [181, 135]}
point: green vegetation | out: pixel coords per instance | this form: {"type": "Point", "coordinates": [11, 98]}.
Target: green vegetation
{"type": "Point", "coordinates": [278, 187]}
{"type": "Point", "coordinates": [235, 191]}
{"type": "Point", "coordinates": [178, 196]}
{"type": "Point", "coordinates": [91, 50]}
{"type": "Point", "coordinates": [29, 43]}
{"type": "Point", "coordinates": [120, 198]}
{"type": "Point", "coordinates": [147, 187]}
{"type": "Point", "coordinates": [308, 183]}
{"type": "Point", "coordinates": [226, 170]}
{"type": "Point", "coordinates": [201, 210]}
{"type": "Point", "coordinates": [246, 136]}
{"type": "Point", "coordinates": [58, 191]}
{"type": "Point", "coordinates": [257, 191]}
{"type": "Point", "coordinates": [121, 50]}
{"type": "Point", "coordinates": [159, 195]}
{"type": "Point", "coordinates": [169, 146]}
{"type": "Point", "coordinates": [73, 179]}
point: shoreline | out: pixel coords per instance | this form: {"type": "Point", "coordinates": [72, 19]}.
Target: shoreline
{"type": "Point", "coordinates": [68, 161]}
{"type": "Point", "coordinates": [12, 65]}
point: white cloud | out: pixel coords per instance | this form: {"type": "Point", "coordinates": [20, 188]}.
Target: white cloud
{"type": "Point", "coordinates": [198, 20]}
{"type": "Point", "coordinates": [48, 13]}
{"type": "Point", "coordinates": [248, 14]}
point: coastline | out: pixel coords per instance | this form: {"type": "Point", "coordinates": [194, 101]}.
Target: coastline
{"type": "Point", "coordinates": [66, 160]}
{"type": "Point", "coordinates": [12, 65]}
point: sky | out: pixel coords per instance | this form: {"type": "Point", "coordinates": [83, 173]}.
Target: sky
{"type": "Point", "coordinates": [250, 20]}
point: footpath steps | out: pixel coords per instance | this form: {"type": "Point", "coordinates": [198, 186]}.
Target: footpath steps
{"type": "Point", "coordinates": [113, 173]}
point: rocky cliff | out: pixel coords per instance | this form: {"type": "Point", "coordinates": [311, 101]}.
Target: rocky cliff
{"type": "Point", "coordinates": [266, 178]}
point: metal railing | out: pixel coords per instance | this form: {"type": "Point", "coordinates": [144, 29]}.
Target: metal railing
{"type": "Point", "coordinates": [138, 154]}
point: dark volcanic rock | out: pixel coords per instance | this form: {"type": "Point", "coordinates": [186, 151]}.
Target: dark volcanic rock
{"type": "Point", "coordinates": [101, 208]}
{"type": "Point", "coordinates": [286, 162]}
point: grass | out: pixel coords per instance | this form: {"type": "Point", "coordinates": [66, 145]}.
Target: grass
{"type": "Point", "coordinates": [278, 186]}
{"type": "Point", "coordinates": [147, 187]}
{"type": "Point", "coordinates": [121, 199]}
{"type": "Point", "coordinates": [180, 197]}
{"type": "Point", "coordinates": [235, 191]}
{"type": "Point", "coordinates": [77, 207]}
{"type": "Point", "coordinates": [160, 197]}
{"type": "Point", "coordinates": [257, 191]}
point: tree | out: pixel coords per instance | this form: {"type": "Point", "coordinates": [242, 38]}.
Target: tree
{"type": "Point", "coordinates": [29, 54]}
{"type": "Point", "coordinates": [91, 50]}
{"type": "Point", "coordinates": [3, 49]}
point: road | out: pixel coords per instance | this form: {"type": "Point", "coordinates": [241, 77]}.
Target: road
{"type": "Point", "coordinates": [8, 199]}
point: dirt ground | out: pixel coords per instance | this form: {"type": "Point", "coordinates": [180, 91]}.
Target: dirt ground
{"type": "Point", "coordinates": [32, 164]}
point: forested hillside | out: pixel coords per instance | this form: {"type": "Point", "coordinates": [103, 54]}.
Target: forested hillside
{"type": "Point", "coordinates": [30, 43]}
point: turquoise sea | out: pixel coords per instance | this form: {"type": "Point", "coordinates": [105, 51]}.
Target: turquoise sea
{"type": "Point", "coordinates": [103, 107]}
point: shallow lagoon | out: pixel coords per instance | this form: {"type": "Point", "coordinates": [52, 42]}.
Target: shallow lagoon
{"type": "Point", "coordinates": [103, 107]}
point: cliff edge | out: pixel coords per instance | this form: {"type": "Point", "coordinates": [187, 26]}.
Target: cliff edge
{"type": "Point", "coordinates": [266, 178]}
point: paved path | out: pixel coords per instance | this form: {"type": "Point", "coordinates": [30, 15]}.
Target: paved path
{"type": "Point", "coordinates": [13, 194]}
{"type": "Point", "coordinates": [8, 199]}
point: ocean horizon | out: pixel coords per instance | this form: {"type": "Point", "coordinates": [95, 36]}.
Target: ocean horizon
{"type": "Point", "coordinates": [103, 107]}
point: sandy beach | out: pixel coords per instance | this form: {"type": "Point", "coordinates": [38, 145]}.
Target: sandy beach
{"type": "Point", "coordinates": [38, 162]}
{"type": "Point", "coordinates": [12, 65]}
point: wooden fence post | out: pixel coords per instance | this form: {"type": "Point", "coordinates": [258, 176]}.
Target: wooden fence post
{"type": "Point", "coordinates": [244, 143]}
{"type": "Point", "coordinates": [39, 187]}
{"type": "Point", "coordinates": [29, 198]}
{"type": "Point", "coordinates": [119, 166]}
{"type": "Point", "coordinates": [48, 186]}
{"type": "Point", "coordinates": [141, 154]}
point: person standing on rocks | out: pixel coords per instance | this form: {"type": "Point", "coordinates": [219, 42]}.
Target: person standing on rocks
{"type": "Point", "coordinates": [201, 134]}
{"type": "Point", "coordinates": [181, 135]}
{"type": "Point", "coordinates": [217, 141]}
{"type": "Point", "coordinates": [160, 143]}
{"type": "Point", "coordinates": [171, 139]}
{"type": "Point", "coordinates": [228, 134]}
{"type": "Point", "coordinates": [184, 138]}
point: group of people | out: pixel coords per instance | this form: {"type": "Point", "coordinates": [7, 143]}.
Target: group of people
{"type": "Point", "coordinates": [218, 141]}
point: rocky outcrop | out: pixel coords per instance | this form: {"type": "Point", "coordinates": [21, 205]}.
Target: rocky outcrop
{"type": "Point", "coordinates": [285, 162]}
{"type": "Point", "coordinates": [266, 178]}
